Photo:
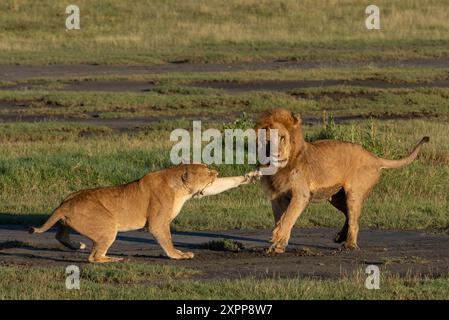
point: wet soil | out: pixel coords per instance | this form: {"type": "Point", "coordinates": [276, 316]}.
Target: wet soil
{"type": "Point", "coordinates": [311, 252]}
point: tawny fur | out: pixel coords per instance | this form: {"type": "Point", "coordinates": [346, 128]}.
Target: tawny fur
{"type": "Point", "coordinates": [153, 201]}
{"type": "Point", "coordinates": [341, 172]}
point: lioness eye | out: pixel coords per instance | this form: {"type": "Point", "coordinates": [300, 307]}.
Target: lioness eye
{"type": "Point", "coordinates": [282, 139]}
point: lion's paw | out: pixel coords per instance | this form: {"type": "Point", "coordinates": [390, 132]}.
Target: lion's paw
{"type": "Point", "coordinates": [253, 176]}
{"type": "Point", "coordinates": [349, 246]}
{"type": "Point", "coordinates": [275, 250]}
{"type": "Point", "coordinates": [279, 239]}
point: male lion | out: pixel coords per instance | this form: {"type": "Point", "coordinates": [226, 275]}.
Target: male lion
{"type": "Point", "coordinates": [154, 200]}
{"type": "Point", "coordinates": [341, 172]}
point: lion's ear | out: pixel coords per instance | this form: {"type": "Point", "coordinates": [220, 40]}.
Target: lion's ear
{"type": "Point", "coordinates": [296, 119]}
{"type": "Point", "coordinates": [184, 176]}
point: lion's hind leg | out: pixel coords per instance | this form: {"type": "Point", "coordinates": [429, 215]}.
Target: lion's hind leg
{"type": "Point", "coordinates": [356, 192]}
{"type": "Point", "coordinates": [354, 203]}
{"type": "Point", "coordinates": [339, 201]}
{"type": "Point", "coordinates": [63, 237]}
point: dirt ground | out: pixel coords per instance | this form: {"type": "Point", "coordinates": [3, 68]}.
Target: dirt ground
{"type": "Point", "coordinates": [311, 252]}
{"type": "Point", "coordinates": [22, 72]}
{"type": "Point", "coordinates": [231, 87]}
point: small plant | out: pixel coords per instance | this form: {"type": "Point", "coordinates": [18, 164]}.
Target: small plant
{"type": "Point", "coordinates": [243, 122]}
{"type": "Point", "coordinates": [367, 136]}
{"type": "Point", "coordinates": [329, 130]}
{"type": "Point", "coordinates": [223, 245]}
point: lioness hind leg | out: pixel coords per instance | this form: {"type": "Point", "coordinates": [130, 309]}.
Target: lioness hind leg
{"type": "Point", "coordinates": [63, 237]}
{"type": "Point", "coordinates": [163, 236]}
{"type": "Point", "coordinates": [100, 248]}
{"type": "Point", "coordinates": [339, 201]}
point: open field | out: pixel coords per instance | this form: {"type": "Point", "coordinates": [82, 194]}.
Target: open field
{"type": "Point", "coordinates": [96, 106]}
{"type": "Point", "coordinates": [57, 139]}
{"type": "Point", "coordinates": [230, 265]}
{"type": "Point", "coordinates": [216, 31]}
{"type": "Point", "coordinates": [61, 134]}
{"type": "Point", "coordinates": [41, 163]}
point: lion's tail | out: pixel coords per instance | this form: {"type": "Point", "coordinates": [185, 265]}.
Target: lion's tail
{"type": "Point", "coordinates": [392, 164]}
{"type": "Point", "coordinates": [55, 217]}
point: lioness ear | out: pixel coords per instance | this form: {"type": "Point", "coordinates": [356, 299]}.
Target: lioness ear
{"type": "Point", "coordinates": [296, 119]}
{"type": "Point", "coordinates": [184, 176]}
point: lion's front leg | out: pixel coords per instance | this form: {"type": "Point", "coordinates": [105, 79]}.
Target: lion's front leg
{"type": "Point", "coordinates": [299, 201]}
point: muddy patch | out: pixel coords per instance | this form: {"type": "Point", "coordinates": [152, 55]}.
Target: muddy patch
{"type": "Point", "coordinates": [109, 86]}
{"type": "Point", "coordinates": [139, 123]}
{"type": "Point", "coordinates": [337, 96]}
{"type": "Point", "coordinates": [311, 252]}
{"type": "Point", "coordinates": [229, 86]}
{"type": "Point", "coordinates": [22, 72]}
{"type": "Point", "coordinates": [285, 86]}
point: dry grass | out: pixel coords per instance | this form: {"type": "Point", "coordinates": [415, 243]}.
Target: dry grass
{"type": "Point", "coordinates": [157, 31]}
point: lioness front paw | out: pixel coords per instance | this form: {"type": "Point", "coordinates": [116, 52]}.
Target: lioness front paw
{"type": "Point", "coordinates": [179, 255]}
{"type": "Point", "coordinates": [187, 255]}
{"type": "Point", "coordinates": [253, 176]}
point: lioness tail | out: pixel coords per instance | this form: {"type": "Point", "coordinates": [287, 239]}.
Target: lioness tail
{"type": "Point", "coordinates": [55, 217]}
{"type": "Point", "coordinates": [391, 164]}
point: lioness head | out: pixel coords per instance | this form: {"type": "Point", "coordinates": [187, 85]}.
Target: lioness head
{"type": "Point", "coordinates": [289, 137]}
{"type": "Point", "coordinates": [196, 177]}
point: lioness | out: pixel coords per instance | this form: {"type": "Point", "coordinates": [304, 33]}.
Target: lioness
{"type": "Point", "coordinates": [341, 172]}
{"type": "Point", "coordinates": [154, 200]}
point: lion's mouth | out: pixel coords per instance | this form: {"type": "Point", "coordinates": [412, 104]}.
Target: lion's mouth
{"type": "Point", "coordinates": [279, 162]}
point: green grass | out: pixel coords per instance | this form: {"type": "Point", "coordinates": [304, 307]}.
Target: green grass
{"type": "Point", "coordinates": [214, 31]}
{"type": "Point", "coordinates": [310, 102]}
{"type": "Point", "coordinates": [369, 71]}
{"type": "Point", "coordinates": [142, 281]}
{"type": "Point", "coordinates": [42, 163]}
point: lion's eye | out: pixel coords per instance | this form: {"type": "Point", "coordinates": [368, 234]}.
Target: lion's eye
{"type": "Point", "coordinates": [283, 139]}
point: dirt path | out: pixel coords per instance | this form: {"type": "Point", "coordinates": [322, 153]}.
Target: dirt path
{"type": "Point", "coordinates": [231, 87]}
{"type": "Point", "coordinates": [23, 72]}
{"type": "Point", "coordinates": [290, 85]}
{"type": "Point", "coordinates": [129, 125]}
{"type": "Point", "coordinates": [311, 252]}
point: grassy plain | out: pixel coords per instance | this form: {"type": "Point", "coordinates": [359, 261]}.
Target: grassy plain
{"type": "Point", "coordinates": [42, 161]}
{"type": "Point", "coordinates": [215, 31]}
{"type": "Point", "coordinates": [140, 281]}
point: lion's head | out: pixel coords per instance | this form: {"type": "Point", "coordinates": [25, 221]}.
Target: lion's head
{"type": "Point", "coordinates": [196, 177]}
{"type": "Point", "coordinates": [290, 140]}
